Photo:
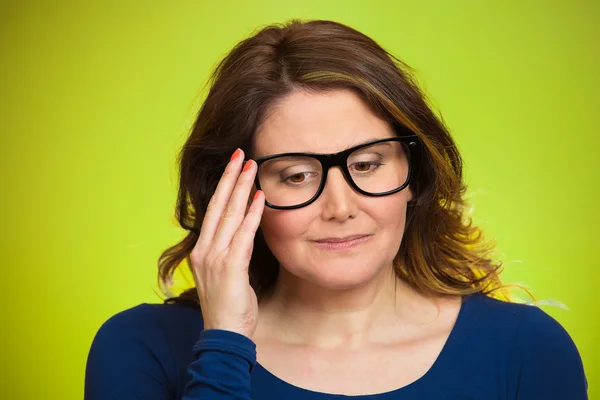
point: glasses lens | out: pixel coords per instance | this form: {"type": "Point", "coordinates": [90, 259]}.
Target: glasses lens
{"type": "Point", "coordinates": [289, 181]}
{"type": "Point", "coordinates": [379, 168]}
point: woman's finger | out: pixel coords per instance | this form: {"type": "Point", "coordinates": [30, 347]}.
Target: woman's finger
{"type": "Point", "coordinates": [243, 240]}
{"type": "Point", "coordinates": [219, 200]}
{"type": "Point", "coordinates": [235, 211]}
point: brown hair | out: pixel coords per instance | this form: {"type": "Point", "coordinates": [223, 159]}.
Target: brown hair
{"type": "Point", "coordinates": [442, 253]}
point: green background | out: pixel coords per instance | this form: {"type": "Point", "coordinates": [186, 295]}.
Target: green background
{"type": "Point", "coordinates": [97, 98]}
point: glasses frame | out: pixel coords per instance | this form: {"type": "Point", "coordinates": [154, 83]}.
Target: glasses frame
{"type": "Point", "coordinates": [340, 159]}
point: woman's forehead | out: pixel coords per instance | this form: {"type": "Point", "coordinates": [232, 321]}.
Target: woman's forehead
{"type": "Point", "coordinates": [318, 123]}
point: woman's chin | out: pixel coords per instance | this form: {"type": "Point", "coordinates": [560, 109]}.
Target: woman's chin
{"type": "Point", "coordinates": [343, 277]}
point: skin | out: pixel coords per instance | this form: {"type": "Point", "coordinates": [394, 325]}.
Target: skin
{"type": "Point", "coordinates": [337, 313]}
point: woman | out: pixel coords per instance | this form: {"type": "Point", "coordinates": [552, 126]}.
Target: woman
{"type": "Point", "coordinates": [336, 260]}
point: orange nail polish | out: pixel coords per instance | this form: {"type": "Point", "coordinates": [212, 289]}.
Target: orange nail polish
{"type": "Point", "coordinates": [235, 155]}
{"type": "Point", "coordinates": [256, 194]}
{"type": "Point", "coordinates": [248, 165]}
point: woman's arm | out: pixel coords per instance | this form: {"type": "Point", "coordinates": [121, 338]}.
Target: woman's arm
{"type": "Point", "coordinates": [222, 366]}
{"type": "Point", "coordinates": [130, 358]}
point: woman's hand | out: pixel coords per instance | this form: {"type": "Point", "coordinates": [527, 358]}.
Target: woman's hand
{"type": "Point", "coordinates": [221, 257]}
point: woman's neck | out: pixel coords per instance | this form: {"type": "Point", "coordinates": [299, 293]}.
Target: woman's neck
{"type": "Point", "coordinates": [382, 311]}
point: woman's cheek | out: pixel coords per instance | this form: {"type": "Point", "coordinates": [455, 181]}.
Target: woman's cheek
{"type": "Point", "coordinates": [280, 226]}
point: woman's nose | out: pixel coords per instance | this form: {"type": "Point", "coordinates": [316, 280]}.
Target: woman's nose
{"type": "Point", "coordinates": [338, 198]}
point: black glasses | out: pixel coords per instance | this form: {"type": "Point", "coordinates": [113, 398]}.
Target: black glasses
{"type": "Point", "coordinates": [378, 168]}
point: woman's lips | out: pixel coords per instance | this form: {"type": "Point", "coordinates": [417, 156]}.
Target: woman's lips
{"type": "Point", "coordinates": [335, 244]}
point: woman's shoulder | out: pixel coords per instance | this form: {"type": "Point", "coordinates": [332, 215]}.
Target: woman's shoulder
{"type": "Point", "coordinates": [146, 347]}
{"type": "Point", "coordinates": [534, 339]}
{"type": "Point", "coordinates": [523, 320]}
{"type": "Point", "coordinates": [158, 330]}
{"type": "Point", "coordinates": [541, 353]}
{"type": "Point", "coordinates": [149, 320]}
{"type": "Point", "coordinates": [533, 350]}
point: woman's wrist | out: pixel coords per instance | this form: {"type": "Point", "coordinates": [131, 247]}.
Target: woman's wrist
{"type": "Point", "coordinates": [226, 341]}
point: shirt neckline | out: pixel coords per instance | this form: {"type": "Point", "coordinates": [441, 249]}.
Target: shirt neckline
{"type": "Point", "coordinates": [455, 333]}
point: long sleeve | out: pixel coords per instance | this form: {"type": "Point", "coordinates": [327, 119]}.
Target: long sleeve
{"type": "Point", "coordinates": [550, 364]}
{"type": "Point", "coordinates": [222, 366]}
{"type": "Point", "coordinates": [161, 352]}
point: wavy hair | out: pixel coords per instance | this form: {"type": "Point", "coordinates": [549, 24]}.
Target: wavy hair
{"type": "Point", "coordinates": [442, 252]}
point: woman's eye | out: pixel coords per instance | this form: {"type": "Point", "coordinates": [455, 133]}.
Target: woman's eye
{"type": "Point", "coordinates": [365, 166]}
{"type": "Point", "coordinates": [362, 166]}
{"type": "Point", "coordinates": [300, 177]}
{"type": "Point", "coordinates": [297, 178]}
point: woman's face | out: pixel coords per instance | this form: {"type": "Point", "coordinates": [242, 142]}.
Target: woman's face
{"type": "Point", "coordinates": [329, 122]}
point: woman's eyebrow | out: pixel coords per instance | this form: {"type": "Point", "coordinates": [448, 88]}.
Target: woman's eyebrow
{"type": "Point", "coordinates": [362, 142]}
{"type": "Point", "coordinates": [354, 144]}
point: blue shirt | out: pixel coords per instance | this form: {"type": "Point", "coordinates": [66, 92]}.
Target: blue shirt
{"type": "Point", "coordinates": [496, 350]}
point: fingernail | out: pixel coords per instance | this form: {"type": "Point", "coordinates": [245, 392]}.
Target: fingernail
{"type": "Point", "coordinates": [257, 194]}
{"type": "Point", "coordinates": [235, 155]}
{"type": "Point", "coordinates": [248, 165]}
